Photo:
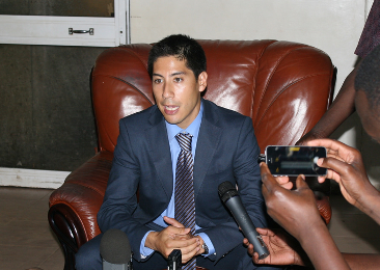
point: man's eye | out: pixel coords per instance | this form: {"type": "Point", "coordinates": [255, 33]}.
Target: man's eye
{"type": "Point", "coordinates": [178, 79]}
{"type": "Point", "coordinates": [157, 81]}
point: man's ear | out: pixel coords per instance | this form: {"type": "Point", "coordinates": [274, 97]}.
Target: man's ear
{"type": "Point", "coordinates": [202, 81]}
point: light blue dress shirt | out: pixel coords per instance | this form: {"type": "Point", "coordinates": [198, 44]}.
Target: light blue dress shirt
{"type": "Point", "coordinates": [175, 149]}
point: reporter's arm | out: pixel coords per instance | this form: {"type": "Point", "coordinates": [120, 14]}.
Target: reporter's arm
{"type": "Point", "coordinates": [297, 213]}
{"type": "Point", "coordinates": [362, 261]}
{"type": "Point", "coordinates": [321, 249]}
{"type": "Point", "coordinates": [341, 108]}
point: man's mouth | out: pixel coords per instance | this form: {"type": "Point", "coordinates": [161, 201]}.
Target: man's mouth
{"type": "Point", "coordinates": [171, 109]}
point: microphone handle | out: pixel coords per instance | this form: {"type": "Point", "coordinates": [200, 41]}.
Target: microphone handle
{"type": "Point", "coordinates": [242, 218]}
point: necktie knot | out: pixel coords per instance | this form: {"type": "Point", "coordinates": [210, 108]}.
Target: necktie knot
{"type": "Point", "coordinates": [184, 141]}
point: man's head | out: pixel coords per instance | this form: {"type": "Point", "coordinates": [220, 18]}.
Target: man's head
{"type": "Point", "coordinates": [177, 66]}
{"type": "Point", "coordinates": [367, 96]}
{"type": "Point", "coordinates": [183, 48]}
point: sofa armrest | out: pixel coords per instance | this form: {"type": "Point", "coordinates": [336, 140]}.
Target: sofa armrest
{"type": "Point", "coordinates": [77, 202]}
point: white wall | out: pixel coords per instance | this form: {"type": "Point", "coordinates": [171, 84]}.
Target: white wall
{"type": "Point", "coordinates": [333, 26]}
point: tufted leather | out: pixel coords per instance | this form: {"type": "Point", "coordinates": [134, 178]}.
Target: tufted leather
{"type": "Point", "coordinates": [284, 87]}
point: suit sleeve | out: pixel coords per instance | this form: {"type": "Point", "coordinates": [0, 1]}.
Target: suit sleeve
{"type": "Point", "coordinates": [226, 236]}
{"type": "Point", "coordinates": [120, 199]}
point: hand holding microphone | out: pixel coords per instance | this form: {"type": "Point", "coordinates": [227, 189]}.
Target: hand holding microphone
{"type": "Point", "coordinates": [231, 199]}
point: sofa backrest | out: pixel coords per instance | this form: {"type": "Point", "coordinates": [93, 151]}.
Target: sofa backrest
{"type": "Point", "coordinates": [284, 87]}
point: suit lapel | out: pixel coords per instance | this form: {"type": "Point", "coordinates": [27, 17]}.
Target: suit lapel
{"type": "Point", "coordinates": [157, 140]}
{"type": "Point", "coordinates": [209, 137]}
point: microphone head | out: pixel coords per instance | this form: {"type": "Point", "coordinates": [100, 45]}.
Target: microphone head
{"type": "Point", "coordinates": [227, 190]}
{"type": "Point", "coordinates": [115, 247]}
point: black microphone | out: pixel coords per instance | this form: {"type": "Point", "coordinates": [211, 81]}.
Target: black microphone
{"type": "Point", "coordinates": [175, 260]}
{"type": "Point", "coordinates": [231, 199]}
{"type": "Point", "coordinates": [116, 250]}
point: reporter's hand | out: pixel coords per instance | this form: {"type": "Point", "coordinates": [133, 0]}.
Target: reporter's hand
{"type": "Point", "coordinates": [311, 135]}
{"type": "Point", "coordinates": [283, 249]}
{"type": "Point", "coordinates": [292, 209]}
{"type": "Point", "coordinates": [284, 182]}
{"type": "Point", "coordinates": [175, 236]}
{"type": "Point", "coordinates": [297, 213]}
{"type": "Point", "coordinates": [345, 166]}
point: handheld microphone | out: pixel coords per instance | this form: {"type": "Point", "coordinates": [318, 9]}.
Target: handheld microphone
{"type": "Point", "coordinates": [231, 199]}
{"type": "Point", "coordinates": [175, 260]}
{"type": "Point", "coordinates": [116, 250]}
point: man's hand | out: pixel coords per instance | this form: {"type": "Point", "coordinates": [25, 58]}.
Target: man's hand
{"type": "Point", "coordinates": [175, 236]}
{"type": "Point", "coordinates": [283, 249]}
{"type": "Point", "coordinates": [345, 166]}
{"type": "Point", "coordinates": [296, 211]}
{"type": "Point", "coordinates": [292, 209]}
{"type": "Point", "coordinates": [201, 250]}
{"type": "Point", "coordinates": [311, 135]}
{"type": "Point", "coordinates": [284, 181]}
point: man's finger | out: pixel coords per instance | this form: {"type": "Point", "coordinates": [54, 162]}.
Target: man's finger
{"type": "Point", "coordinates": [266, 177]}
{"type": "Point", "coordinates": [256, 259]}
{"type": "Point", "coordinates": [336, 168]}
{"type": "Point", "coordinates": [264, 232]}
{"type": "Point", "coordinates": [183, 243]}
{"type": "Point", "coordinates": [177, 232]}
{"type": "Point", "coordinates": [328, 143]}
{"type": "Point", "coordinates": [288, 185]}
{"type": "Point", "coordinates": [282, 179]}
{"type": "Point", "coordinates": [335, 149]}
{"type": "Point", "coordinates": [189, 252]}
{"type": "Point", "coordinates": [301, 183]}
{"type": "Point", "coordinates": [322, 179]}
{"type": "Point", "coordinates": [173, 222]}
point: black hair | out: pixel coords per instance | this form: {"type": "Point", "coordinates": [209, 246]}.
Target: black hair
{"type": "Point", "coordinates": [183, 48]}
{"type": "Point", "coordinates": [368, 78]}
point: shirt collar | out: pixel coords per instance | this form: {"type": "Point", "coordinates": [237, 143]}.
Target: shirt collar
{"type": "Point", "coordinates": [193, 129]}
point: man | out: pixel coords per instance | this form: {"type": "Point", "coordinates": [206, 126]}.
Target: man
{"type": "Point", "coordinates": [296, 210]}
{"type": "Point", "coordinates": [150, 156]}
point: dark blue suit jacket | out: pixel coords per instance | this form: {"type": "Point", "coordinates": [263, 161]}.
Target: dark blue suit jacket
{"type": "Point", "coordinates": [226, 151]}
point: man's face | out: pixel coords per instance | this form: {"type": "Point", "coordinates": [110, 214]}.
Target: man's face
{"type": "Point", "coordinates": [369, 117]}
{"type": "Point", "coordinates": [177, 91]}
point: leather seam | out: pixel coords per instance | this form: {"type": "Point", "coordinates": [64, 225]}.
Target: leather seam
{"type": "Point", "coordinates": [279, 60]}
{"type": "Point", "coordinates": [284, 89]}
{"type": "Point", "coordinates": [255, 77]}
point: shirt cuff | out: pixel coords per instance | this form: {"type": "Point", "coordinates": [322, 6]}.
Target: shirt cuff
{"type": "Point", "coordinates": [145, 251]}
{"type": "Point", "coordinates": [206, 239]}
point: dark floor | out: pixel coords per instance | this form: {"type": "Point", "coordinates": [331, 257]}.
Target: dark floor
{"type": "Point", "coordinates": [26, 240]}
{"type": "Point", "coordinates": [25, 237]}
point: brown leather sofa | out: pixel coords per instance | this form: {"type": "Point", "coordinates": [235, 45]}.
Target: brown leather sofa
{"type": "Point", "coordinates": [284, 87]}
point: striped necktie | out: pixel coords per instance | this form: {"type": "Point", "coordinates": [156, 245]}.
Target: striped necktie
{"type": "Point", "coordinates": [184, 190]}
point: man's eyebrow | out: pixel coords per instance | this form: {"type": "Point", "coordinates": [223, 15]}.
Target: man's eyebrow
{"type": "Point", "coordinates": [178, 73]}
{"type": "Point", "coordinates": [171, 75]}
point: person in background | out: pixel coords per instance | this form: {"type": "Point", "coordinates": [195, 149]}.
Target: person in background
{"type": "Point", "coordinates": [343, 105]}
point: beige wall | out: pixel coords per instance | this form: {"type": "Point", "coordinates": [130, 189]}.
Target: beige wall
{"type": "Point", "coordinates": [333, 26]}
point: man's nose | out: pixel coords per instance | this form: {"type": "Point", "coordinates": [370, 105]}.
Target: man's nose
{"type": "Point", "coordinates": [167, 91]}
